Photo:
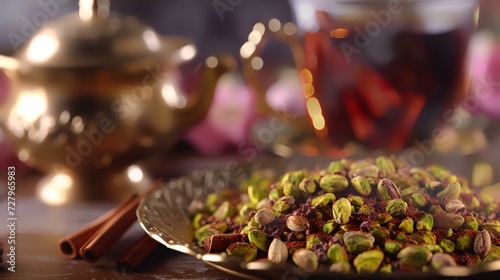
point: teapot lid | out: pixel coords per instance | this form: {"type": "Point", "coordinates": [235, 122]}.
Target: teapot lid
{"type": "Point", "coordinates": [94, 37]}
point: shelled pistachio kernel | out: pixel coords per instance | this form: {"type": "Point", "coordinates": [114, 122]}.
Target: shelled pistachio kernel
{"type": "Point", "coordinates": [368, 261]}
{"type": "Point", "coordinates": [414, 256]}
{"type": "Point", "coordinates": [329, 227]}
{"type": "Point", "coordinates": [312, 241]}
{"type": "Point", "coordinates": [384, 218]}
{"type": "Point", "coordinates": [264, 216]}
{"type": "Point", "coordinates": [336, 253]}
{"type": "Point", "coordinates": [423, 237]}
{"type": "Point", "coordinates": [464, 242]}
{"type": "Point", "coordinates": [340, 267]}
{"type": "Point", "coordinates": [392, 247]}
{"type": "Point", "coordinates": [440, 260]}
{"type": "Point", "coordinates": [358, 241]}
{"type": "Point", "coordinates": [277, 253]}
{"type": "Point", "coordinates": [426, 222]}
{"type": "Point", "coordinates": [361, 185]}
{"type": "Point", "coordinates": [284, 203]}
{"type": "Point", "coordinates": [307, 186]}
{"type": "Point", "coordinates": [418, 199]}
{"type": "Point", "coordinates": [247, 251]}
{"type": "Point", "coordinates": [341, 211]}
{"type": "Point", "coordinates": [336, 167]}
{"type": "Point", "coordinates": [397, 208]}
{"type": "Point", "coordinates": [323, 199]}
{"type": "Point", "coordinates": [385, 165]}
{"type": "Point", "coordinates": [258, 239]}
{"type": "Point", "coordinates": [306, 260]}
{"type": "Point", "coordinates": [387, 190]}
{"type": "Point", "coordinates": [493, 227]}
{"type": "Point", "coordinates": [297, 223]}
{"type": "Point", "coordinates": [482, 243]}
{"type": "Point", "coordinates": [452, 191]}
{"type": "Point", "coordinates": [256, 194]}
{"type": "Point", "coordinates": [225, 210]}
{"type": "Point", "coordinates": [407, 225]}
{"type": "Point", "coordinates": [333, 183]}
{"type": "Point", "coordinates": [447, 245]}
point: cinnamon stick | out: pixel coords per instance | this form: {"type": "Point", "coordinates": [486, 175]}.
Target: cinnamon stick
{"type": "Point", "coordinates": [111, 231]}
{"type": "Point", "coordinates": [70, 244]}
{"type": "Point", "coordinates": [138, 252]}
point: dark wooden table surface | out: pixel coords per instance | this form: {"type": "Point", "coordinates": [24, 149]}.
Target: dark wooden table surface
{"type": "Point", "coordinates": [39, 227]}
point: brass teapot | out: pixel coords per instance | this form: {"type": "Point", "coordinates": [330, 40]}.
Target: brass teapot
{"type": "Point", "coordinates": [93, 92]}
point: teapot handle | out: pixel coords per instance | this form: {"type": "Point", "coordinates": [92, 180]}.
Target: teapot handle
{"type": "Point", "coordinates": [257, 41]}
{"type": "Point", "coordinates": [191, 109]}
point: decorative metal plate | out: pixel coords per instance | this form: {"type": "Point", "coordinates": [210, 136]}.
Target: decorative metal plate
{"type": "Point", "coordinates": [164, 215]}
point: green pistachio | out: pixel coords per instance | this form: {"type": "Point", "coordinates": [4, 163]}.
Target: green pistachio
{"type": "Point", "coordinates": [418, 200]}
{"type": "Point", "coordinates": [387, 190]}
{"type": "Point", "coordinates": [420, 174]}
{"type": "Point", "coordinates": [311, 241]}
{"type": "Point", "coordinates": [391, 226]}
{"type": "Point", "coordinates": [341, 211]}
{"type": "Point", "coordinates": [433, 185]}
{"type": "Point", "coordinates": [426, 222]}
{"type": "Point", "coordinates": [368, 171]}
{"type": "Point", "coordinates": [401, 237]}
{"type": "Point", "coordinates": [245, 211]}
{"type": "Point", "coordinates": [211, 199]}
{"type": "Point", "coordinates": [356, 200]}
{"type": "Point", "coordinates": [323, 200]}
{"type": "Point", "coordinates": [474, 204]}
{"type": "Point", "coordinates": [470, 223]}
{"type": "Point", "coordinates": [256, 194]}
{"type": "Point", "coordinates": [452, 191]}
{"type": "Point", "coordinates": [330, 227]}
{"type": "Point", "coordinates": [386, 268]}
{"type": "Point", "coordinates": [291, 189]}
{"type": "Point", "coordinates": [284, 203]}
{"type": "Point", "coordinates": [340, 267]}
{"type": "Point", "coordinates": [196, 220]}
{"type": "Point", "coordinates": [439, 171]}
{"type": "Point", "coordinates": [336, 253]}
{"type": "Point", "coordinates": [306, 260]}
{"type": "Point", "coordinates": [224, 211]}
{"type": "Point", "coordinates": [380, 234]}
{"type": "Point", "coordinates": [365, 209]}
{"type": "Point", "coordinates": [493, 227]}
{"type": "Point", "coordinates": [409, 191]}
{"type": "Point", "coordinates": [336, 167]}
{"type": "Point", "coordinates": [333, 183]}
{"type": "Point", "coordinates": [258, 239]}
{"type": "Point", "coordinates": [440, 260]}
{"type": "Point", "coordinates": [449, 233]}
{"type": "Point", "coordinates": [361, 185]}
{"type": "Point", "coordinates": [434, 248]}
{"type": "Point", "coordinates": [368, 261]}
{"type": "Point", "coordinates": [397, 208]}
{"type": "Point", "coordinates": [275, 194]}
{"type": "Point", "coordinates": [447, 245]}
{"type": "Point", "coordinates": [435, 209]}
{"type": "Point", "coordinates": [202, 233]}
{"type": "Point", "coordinates": [247, 251]}
{"type": "Point", "coordinates": [358, 241]}
{"type": "Point", "coordinates": [414, 256]}
{"type": "Point", "coordinates": [491, 258]}
{"type": "Point", "coordinates": [423, 237]}
{"type": "Point", "coordinates": [407, 225]}
{"type": "Point", "coordinates": [392, 247]}
{"type": "Point", "coordinates": [385, 166]}
{"type": "Point", "coordinates": [307, 186]}
{"type": "Point", "coordinates": [464, 242]}
{"type": "Point", "coordinates": [384, 218]}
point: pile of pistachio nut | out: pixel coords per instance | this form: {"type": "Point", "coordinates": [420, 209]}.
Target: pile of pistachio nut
{"type": "Point", "coordinates": [363, 216]}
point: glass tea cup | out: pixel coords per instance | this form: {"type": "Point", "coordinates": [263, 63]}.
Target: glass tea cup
{"type": "Point", "coordinates": [385, 73]}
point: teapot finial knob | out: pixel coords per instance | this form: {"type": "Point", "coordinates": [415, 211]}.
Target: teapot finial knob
{"type": "Point", "coordinates": [92, 8]}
